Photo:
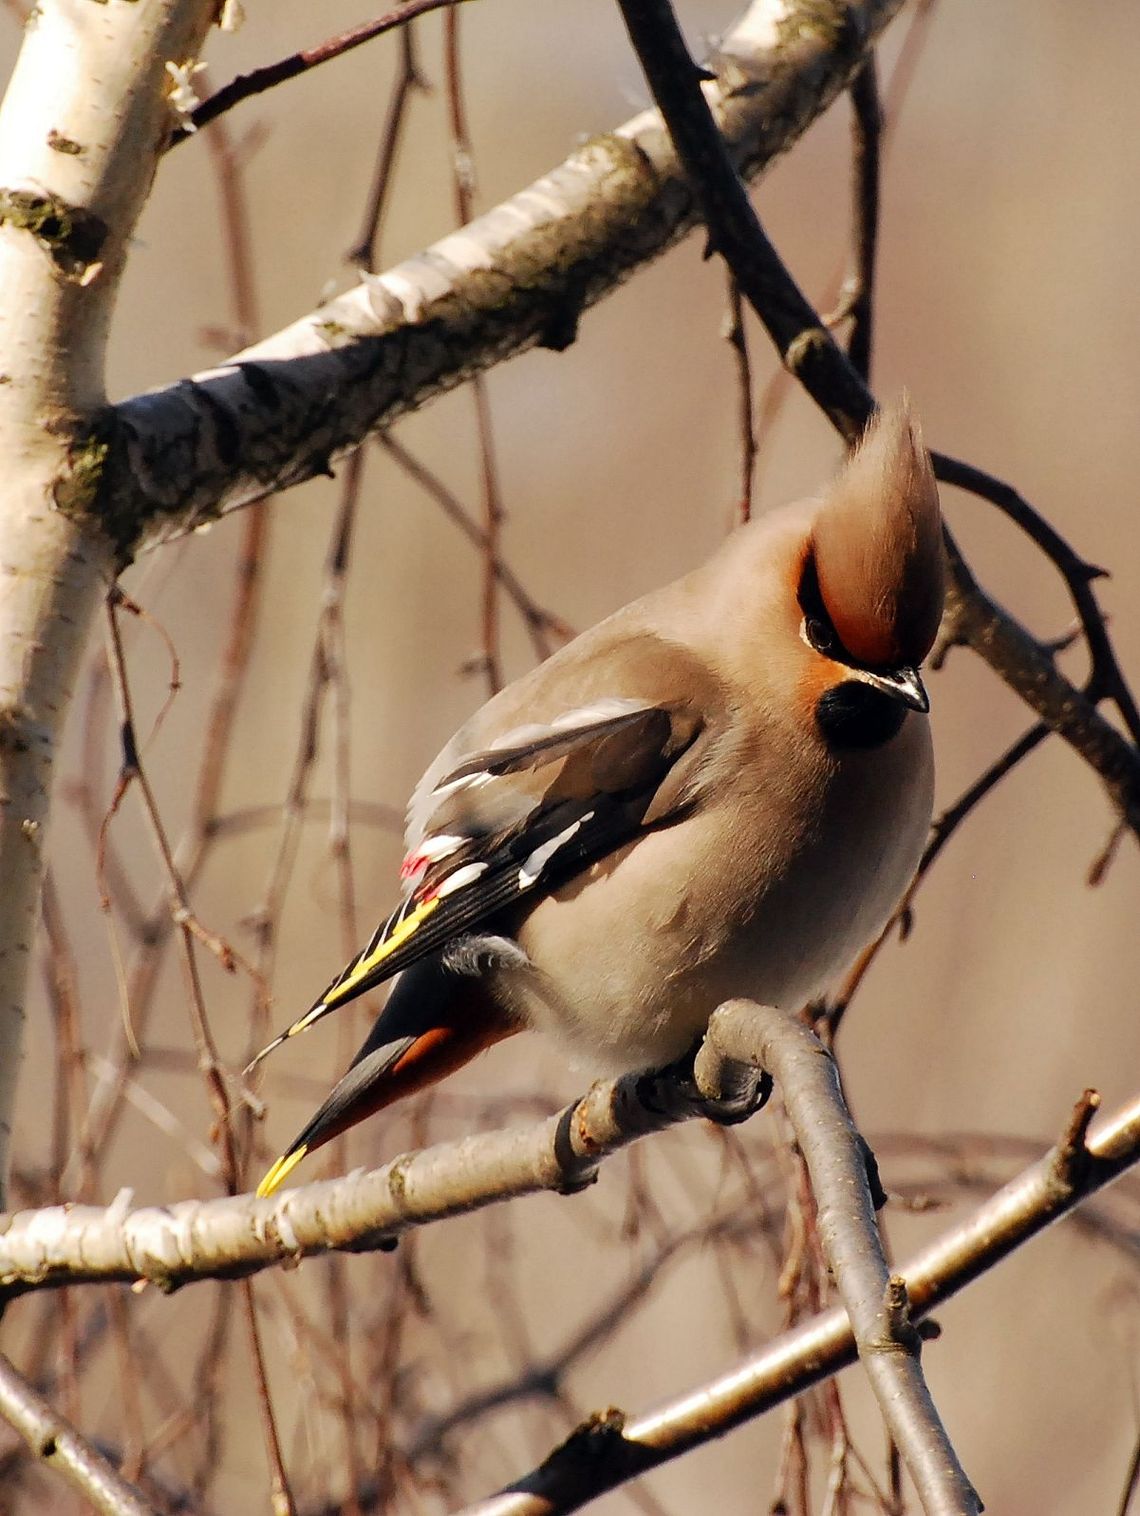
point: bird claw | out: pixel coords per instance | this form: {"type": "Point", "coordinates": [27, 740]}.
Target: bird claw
{"type": "Point", "coordinates": [741, 1098]}
{"type": "Point", "coordinates": [739, 1093]}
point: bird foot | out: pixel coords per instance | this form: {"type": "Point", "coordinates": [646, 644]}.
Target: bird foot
{"type": "Point", "coordinates": [740, 1099]}
{"type": "Point", "coordinates": [737, 1093]}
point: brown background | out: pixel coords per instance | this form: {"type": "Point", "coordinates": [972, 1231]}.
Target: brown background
{"type": "Point", "coordinates": [1009, 307]}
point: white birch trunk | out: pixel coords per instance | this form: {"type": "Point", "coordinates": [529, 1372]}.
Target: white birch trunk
{"type": "Point", "coordinates": [80, 131]}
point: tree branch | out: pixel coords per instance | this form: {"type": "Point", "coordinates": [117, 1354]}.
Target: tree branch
{"type": "Point", "coordinates": [975, 620]}
{"type": "Point", "coordinates": [859, 298]}
{"type": "Point", "coordinates": [876, 1305]}
{"type": "Point", "coordinates": [57, 1443]}
{"type": "Point", "coordinates": [235, 1236]}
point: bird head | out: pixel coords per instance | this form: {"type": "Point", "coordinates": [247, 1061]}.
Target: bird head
{"type": "Point", "coordinates": [873, 579]}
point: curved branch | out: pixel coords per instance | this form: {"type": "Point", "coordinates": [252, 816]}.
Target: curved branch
{"type": "Point", "coordinates": [1106, 680]}
{"type": "Point", "coordinates": [56, 1442]}
{"type": "Point", "coordinates": [889, 1347]}
{"type": "Point", "coordinates": [975, 620]}
{"type": "Point", "coordinates": [611, 1449]}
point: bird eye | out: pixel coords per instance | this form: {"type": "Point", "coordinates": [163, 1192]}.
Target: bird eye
{"type": "Point", "coordinates": [820, 634]}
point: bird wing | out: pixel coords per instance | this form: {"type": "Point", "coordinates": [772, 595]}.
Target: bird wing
{"type": "Point", "coordinates": [520, 818]}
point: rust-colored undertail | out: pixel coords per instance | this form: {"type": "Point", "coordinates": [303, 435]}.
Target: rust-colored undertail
{"type": "Point", "coordinates": [397, 1061]}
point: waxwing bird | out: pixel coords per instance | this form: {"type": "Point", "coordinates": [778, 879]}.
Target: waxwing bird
{"type": "Point", "coordinates": [721, 790]}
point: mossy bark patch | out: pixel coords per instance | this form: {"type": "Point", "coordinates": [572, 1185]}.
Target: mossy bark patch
{"type": "Point", "coordinates": [73, 237]}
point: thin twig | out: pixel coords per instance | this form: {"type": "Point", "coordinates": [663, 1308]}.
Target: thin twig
{"type": "Point", "coordinates": [87, 789]}
{"type": "Point", "coordinates": [546, 1374]}
{"type": "Point", "coordinates": [974, 619]}
{"type": "Point", "coordinates": [539, 622]}
{"type": "Point", "coordinates": [151, 930]}
{"type": "Point", "coordinates": [280, 1493]}
{"type": "Point", "coordinates": [361, 813]}
{"type": "Point", "coordinates": [400, 1303]}
{"type": "Point", "coordinates": [260, 79]}
{"type": "Point", "coordinates": [463, 180]}
{"type": "Point", "coordinates": [134, 1441]}
{"type": "Point", "coordinates": [340, 848]}
{"type": "Point", "coordinates": [228, 163]}
{"type": "Point", "coordinates": [738, 341]}
{"type": "Point", "coordinates": [208, 1059]}
{"type": "Point", "coordinates": [61, 976]}
{"type": "Point", "coordinates": [326, 674]}
{"type": "Point", "coordinates": [206, 1394]}
{"type": "Point", "coordinates": [1106, 679]}
{"type": "Point", "coordinates": [365, 251]}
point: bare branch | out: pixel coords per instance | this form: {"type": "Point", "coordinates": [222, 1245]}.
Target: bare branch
{"type": "Point", "coordinates": [463, 177]}
{"type": "Point", "coordinates": [258, 80]}
{"type": "Point", "coordinates": [234, 1235]}
{"type": "Point", "coordinates": [737, 339]}
{"type": "Point", "coordinates": [208, 1060]}
{"type": "Point", "coordinates": [363, 252]}
{"type": "Point", "coordinates": [540, 623]}
{"type": "Point", "coordinates": [238, 1235]}
{"type": "Point", "coordinates": [974, 619]}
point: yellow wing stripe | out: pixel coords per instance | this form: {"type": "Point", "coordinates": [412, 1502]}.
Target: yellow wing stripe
{"type": "Point", "coordinates": [280, 1171]}
{"type": "Point", "coordinates": [346, 987]}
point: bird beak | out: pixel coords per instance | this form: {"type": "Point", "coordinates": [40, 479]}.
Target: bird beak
{"type": "Point", "coordinates": [903, 684]}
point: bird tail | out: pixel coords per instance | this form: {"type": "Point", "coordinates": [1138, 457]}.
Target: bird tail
{"type": "Point", "coordinates": [367, 969]}
{"type": "Point", "coordinates": [434, 1022]}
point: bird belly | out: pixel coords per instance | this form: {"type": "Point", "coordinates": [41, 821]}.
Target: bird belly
{"type": "Point", "coordinates": [628, 962]}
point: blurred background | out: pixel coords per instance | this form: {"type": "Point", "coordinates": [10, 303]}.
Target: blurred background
{"type": "Point", "coordinates": [1008, 306]}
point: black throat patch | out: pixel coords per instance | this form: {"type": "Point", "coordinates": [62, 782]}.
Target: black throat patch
{"type": "Point", "coordinates": [854, 715]}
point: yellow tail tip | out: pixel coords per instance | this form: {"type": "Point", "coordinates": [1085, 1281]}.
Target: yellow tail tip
{"type": "Point", "coordinates": [280, 1171]}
